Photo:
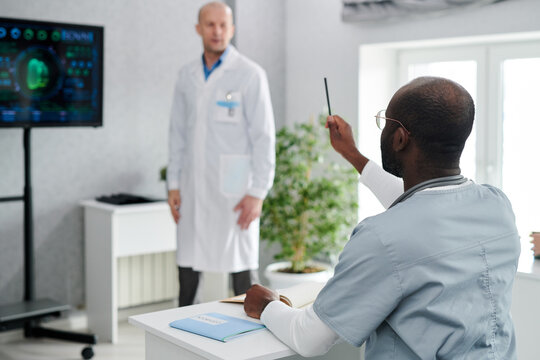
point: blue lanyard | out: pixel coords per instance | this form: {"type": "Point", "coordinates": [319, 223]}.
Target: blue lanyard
{"type": "Point", "coordinates": [443, 181]}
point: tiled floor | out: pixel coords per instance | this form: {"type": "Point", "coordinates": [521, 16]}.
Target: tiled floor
{"type": "Point", "coordinates": [130, 345]}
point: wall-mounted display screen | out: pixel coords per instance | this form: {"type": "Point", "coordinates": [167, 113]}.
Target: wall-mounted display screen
{"type": "Point", "coordinates": [51, 74]}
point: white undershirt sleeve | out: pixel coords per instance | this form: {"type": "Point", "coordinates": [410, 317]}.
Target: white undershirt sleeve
{"type": "Point", "coordinates": [300, 329]}
{"type": "Point", "coordinates": [385, 186]}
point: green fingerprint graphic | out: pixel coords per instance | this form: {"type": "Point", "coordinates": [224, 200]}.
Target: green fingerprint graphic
{"type": "Point", "coordinates": [38, 74]}
{"type": "Point", "coordinates": [56, 36]}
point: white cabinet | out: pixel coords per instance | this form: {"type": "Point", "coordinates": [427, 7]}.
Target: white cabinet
{"type": "Point", "coordinates": [111, 232]}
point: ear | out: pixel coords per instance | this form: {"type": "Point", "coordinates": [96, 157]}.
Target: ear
{"type": "Point", "coordinates": [198, 29]}
{"type": "Point", "coordinates": [400, 139]}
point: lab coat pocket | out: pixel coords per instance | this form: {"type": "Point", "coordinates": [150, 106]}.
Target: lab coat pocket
{"type": "Point", "coordinates": [228, 107]}
{"type": "Point", "coordinates": [234, 174]}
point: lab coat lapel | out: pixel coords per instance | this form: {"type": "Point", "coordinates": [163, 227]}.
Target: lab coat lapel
{"type": "Point", "coordinates": [197, 73]}
{"type": "Point", "coordinates": [227, 65]}
{"type": "Point", "coordinates": [230, 59]}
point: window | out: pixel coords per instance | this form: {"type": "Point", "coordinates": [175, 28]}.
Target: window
{"type": "Point", "coordinates": [504, 81]}
{"type": "Point", "coordinates": [518, 113]}
{"type": "Point", "coordinates": [463, 72]}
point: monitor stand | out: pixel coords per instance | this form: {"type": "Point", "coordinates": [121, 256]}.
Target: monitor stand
{"type": "Point", "coordinates": [29, 313]}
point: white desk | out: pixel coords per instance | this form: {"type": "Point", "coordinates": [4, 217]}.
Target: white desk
{"type": "Point", "coordinates": [164, 342]}
{"type": "Point", "coordinates": [110, 232]}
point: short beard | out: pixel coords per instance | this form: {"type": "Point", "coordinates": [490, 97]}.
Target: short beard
{"type": "Point", "coordinates": [389, 161]}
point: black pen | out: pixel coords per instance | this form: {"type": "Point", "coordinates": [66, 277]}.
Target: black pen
{"type": "Point", "coordinates": [327, 97]}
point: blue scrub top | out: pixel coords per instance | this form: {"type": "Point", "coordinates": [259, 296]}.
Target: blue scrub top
{"type": "Point", "coordinates": [429, 278]}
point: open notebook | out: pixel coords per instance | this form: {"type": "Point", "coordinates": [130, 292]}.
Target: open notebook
{"type": "Point", "coordinates": [297, 296]}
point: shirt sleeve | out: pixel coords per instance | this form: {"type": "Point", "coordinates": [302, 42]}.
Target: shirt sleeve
{"type": "Point", "coordinates": [262, 134]}
{"type": "Point", "coordinates": [385, 186]}
{"type": "Point", "coordinates": [177, 142]}
{"type": "Point", "coordinates": [300, 329]}
{"type": "Point", "coordinates": [364, 290]}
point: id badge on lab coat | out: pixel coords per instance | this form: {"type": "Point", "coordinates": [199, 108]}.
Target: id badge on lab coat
{"type": "Point", "coordinates": [228, 106]}
{"type": "Point", "coordinates": [234, 174]}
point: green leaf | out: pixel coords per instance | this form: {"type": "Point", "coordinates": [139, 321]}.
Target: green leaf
{"type": "Point", "coordinates": [312, 204]}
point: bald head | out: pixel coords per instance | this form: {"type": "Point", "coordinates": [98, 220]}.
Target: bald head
{"type": "Point", "coordinates": [216, 29]}
{"type": "Point", "coordinates": [215, 5]}
{"type": "Point", "coordinates": [439, 114]}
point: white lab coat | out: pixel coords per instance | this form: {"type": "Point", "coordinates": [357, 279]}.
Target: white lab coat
{"type": "Point", "coordinates": [221, 147]}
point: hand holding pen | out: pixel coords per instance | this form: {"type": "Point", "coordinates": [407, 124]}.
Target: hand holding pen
{"type": "Point", "coordinates": [342, 138]}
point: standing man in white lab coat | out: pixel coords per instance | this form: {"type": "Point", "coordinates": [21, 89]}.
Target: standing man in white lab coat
{"type": "Point", "coordinates": [221, 158]}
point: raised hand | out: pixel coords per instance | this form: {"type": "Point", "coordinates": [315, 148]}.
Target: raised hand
{"type": "Point", "coordinates": [342, 140]}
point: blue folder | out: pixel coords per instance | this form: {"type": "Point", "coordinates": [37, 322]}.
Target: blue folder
{"type": "Point", "coordinates": [216, 326]}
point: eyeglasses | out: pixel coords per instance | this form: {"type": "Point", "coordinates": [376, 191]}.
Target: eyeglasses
{"type": "Point", "coordinates": [381, 119]}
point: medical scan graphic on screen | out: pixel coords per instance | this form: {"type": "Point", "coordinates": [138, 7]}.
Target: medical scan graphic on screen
{"type": "Point", "coordinates": [51, 74]}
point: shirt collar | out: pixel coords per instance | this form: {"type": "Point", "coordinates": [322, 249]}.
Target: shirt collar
{"type": "Point", "coordinates": [207, 71]}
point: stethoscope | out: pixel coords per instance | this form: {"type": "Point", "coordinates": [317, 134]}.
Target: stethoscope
{"type": "Point", "coordinates": [444, 181]}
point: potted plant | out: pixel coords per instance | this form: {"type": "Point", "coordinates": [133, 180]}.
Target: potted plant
{"type": "Point", "coordinates": [312, 205]}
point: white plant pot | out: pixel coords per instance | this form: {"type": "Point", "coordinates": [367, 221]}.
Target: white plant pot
{"type": "Point", "coordinates": [281, 280]}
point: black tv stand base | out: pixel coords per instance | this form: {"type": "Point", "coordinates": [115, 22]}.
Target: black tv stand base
{"type": "Point", "coordinates": [28, 314]}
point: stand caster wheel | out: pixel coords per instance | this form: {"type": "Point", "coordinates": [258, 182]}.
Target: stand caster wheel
{"type": "Point", "coordinates": [87, 353]}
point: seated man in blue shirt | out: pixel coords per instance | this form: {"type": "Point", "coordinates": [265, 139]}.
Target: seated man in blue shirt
{"type": "Point", "coordinates": [432, 276]}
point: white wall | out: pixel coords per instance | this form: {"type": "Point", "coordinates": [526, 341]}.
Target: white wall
{"type": "Point", "coordinates": [261, 32]}
{"type": "Point", "coordinates": [261, 37]}
{"type": "Point", "coordinates": [319, 44]}
{"type": "Point", "coordinates": [298, 43]}
{"type": "Point", "coordinates": [145, 44]}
